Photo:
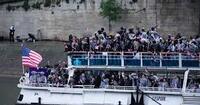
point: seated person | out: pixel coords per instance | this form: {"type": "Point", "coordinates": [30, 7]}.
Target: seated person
{"type": "Point", "coordinates": [18, 39]}
{"type": "Point", "coordinates": [31, 38]}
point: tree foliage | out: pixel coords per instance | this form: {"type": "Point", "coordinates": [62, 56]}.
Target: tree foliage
{"type": "Point", "coordinates": [110, 9]}
{"type": "Point", "coordinates": [26, 5]}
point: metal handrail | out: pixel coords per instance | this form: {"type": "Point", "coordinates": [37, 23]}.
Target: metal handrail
{"type": "Point", "coordinates": [193, 90]}
{"type": "Point", "coordinates": [37, 84]}
{"type": "Point", "coordinates": [148, 57]}
{"type": "Point", "coordinates": [161, 89]}
{"type": "Point", "coordinates": [74, 52]}
{"type": "Point", "coordinates": [111, 87]}
{"type": "Point", "coordinates": [177, 54]}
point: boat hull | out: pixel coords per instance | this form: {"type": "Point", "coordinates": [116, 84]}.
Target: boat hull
{"type": "Point", "coordinates": [80, 96]}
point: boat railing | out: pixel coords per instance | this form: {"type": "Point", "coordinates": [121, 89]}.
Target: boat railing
{"type": "Point", "coordinates": [37, 84]}
{"type": "Point", "coordinates": [83, 86]}
{"type": "Point", "coordinates": [160, 89]}
{"type": "Point", "coordinates": [110, 87]}
{"type": "Point", "coordinates": [106, 87]}
{"type": "Point", "coordinates": [192, 90]}
{"type": "Point", "coordinates": [136, 59]}
{"type": "Point", "coordinates": [121, 87]}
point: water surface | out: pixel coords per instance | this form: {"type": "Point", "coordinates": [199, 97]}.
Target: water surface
{"type": "Point", "coordinates": [8, 90]}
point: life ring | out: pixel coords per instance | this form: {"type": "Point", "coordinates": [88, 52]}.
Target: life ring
{"type": "Point", "coordinates": [22, 79]}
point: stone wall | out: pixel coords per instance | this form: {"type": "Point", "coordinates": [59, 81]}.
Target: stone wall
{"type": "Point", "coordinates": [178, 16]}
{"type": "Point", "coordinates": [171, 16]}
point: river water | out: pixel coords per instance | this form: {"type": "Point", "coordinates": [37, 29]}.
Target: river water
{"type": "Point", "coordinates": [8, 90]}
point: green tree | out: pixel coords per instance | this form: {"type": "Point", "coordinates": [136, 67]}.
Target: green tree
{"type": "Point", "coordinates": [26, 5]}
{"type": "Point", "coordinates": [111, 10]}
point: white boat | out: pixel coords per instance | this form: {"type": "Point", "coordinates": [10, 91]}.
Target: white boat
{"type": "Point", "coordinates": [185, 65]}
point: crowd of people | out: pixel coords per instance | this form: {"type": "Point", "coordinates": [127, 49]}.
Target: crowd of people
{"type": "Point", "coordinates": [59, 76]}
{"type": "Point", "coordinates": [104, 79]}
{"type": "Point", "coordinates": [140, 40]}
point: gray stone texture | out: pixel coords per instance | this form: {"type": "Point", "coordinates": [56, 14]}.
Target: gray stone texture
{"type": "Point", "coordinates": [171, 16]}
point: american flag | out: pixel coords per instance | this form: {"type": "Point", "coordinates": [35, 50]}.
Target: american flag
{"type": "Point", "coordinates": [30, 58]}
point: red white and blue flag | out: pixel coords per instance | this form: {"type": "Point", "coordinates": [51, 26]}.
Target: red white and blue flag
{"type": "Point", "coordinates": [30, 58]}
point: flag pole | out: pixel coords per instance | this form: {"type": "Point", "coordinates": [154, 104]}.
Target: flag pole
{"type": "Point", "coordinates": [23, 68]}
{"type": "Point", "coordinates": [22, 64]}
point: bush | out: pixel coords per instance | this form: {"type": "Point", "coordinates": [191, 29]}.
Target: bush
{"type": "Point", "coordinates": [47, 3]}
{"type": "Point", "coordinates": [26, 5]}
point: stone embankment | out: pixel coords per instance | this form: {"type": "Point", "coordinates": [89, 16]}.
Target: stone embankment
{"type": "Point", "coordinates": [10, 55]}
{"type": "Point", "coordinates": [57, 22]}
